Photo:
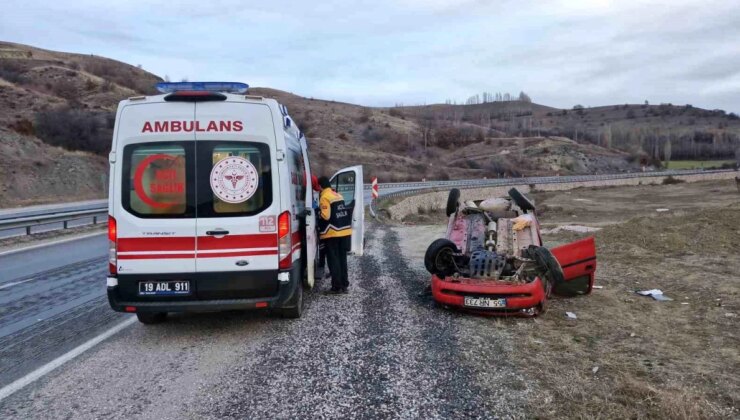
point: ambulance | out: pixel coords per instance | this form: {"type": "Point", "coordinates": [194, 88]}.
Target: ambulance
{"type": "Point", "coordinates": [210, 204]}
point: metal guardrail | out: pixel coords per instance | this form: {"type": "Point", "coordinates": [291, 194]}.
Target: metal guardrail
{"type": "Point", "coordinates": [95, 211]}
{"type": "Point", "coordinates": [534, 180]}
{"type": "Point", "coordinates": [64, 217]}
{"type": "Point", "coordinates": [443, 185]}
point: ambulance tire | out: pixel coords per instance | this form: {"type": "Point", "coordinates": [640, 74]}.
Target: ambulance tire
{"type": "Point", "coordinates": [296, 311]}
{"type": "Point", "coordinates": [150, 318]}
{"type": "Point", "coordinates": [452, 201]}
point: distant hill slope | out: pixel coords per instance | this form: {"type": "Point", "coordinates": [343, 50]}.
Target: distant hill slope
{"type": "Point", "coordinates": [56, 120]}
{"type": "Point", "coordinates": [75, 92]}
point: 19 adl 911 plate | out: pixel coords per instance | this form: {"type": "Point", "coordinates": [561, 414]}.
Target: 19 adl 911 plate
{"type": "Point", "coordinates": [484, 302]}
{"type": "Point", "coordinates": [164, 288]}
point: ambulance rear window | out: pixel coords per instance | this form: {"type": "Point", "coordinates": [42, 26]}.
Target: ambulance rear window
{"type": "Point", "coordinates": [234, 178]}
{"type": "Point", "coordinates": [155, 180]}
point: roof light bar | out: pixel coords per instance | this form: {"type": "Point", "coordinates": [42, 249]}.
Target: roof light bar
{"type": "Point", "coordinates": [228, 87]}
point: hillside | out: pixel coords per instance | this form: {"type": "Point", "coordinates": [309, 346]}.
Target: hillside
{"type": "Point", "coordinates": [66, 100]}
{"type": "Point", "coordinates": [56, 120]}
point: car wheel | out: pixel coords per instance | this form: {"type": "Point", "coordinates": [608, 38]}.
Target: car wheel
{"type": "Point", "coordinates": [548, 268]}
{"type": "Point", "coordinates": [296, 311]}
{"type": "Point", "coordinates": [439, 258]}
{"type": "Point", "coordinates": [520, 200]}
{"type": "Point", "coordinates": [151, 317]}
{"type": "Point", "coordinates": [453, 201]}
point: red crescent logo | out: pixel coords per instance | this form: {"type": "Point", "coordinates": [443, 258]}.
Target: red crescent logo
{"type": "Point", "coordinates": [139, 185]}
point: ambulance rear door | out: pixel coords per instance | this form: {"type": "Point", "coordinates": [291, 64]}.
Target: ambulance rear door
{"type": "Point", "coordinates": [238, 195]}
{"type": "Point", "coordinates": [154, 190]}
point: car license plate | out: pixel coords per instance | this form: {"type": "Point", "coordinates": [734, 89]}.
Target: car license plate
{"type": "Point", "coordinates": [484, 302]}
{"type": "Point", "coordinates": [164, 288]}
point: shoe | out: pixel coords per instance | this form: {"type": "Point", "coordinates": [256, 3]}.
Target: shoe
{"type": "Point", "coordinates": [344, 291]}
{"type": "Point", "coordinates": [333, 292]}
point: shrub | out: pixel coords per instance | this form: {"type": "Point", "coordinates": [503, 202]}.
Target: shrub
{"type": "Point", "coordinates": [395, 112]}
{"type": "Point", "coordinates": [365, 115]}
{"type": "Point", "coordinates": [471, 164]}
{"type": "Point", "coordinates": [65, 90]}
{"type": "Point", "coordinates": [75, 129]}
{"type": "Point", "coordinates": [669, 180]}
{"type": "Point", "coordinates": [12, 72]}
{"type": "Point", "coordinates": [23, 126]}
{"type": "Point", "coordinates": [343, 136]}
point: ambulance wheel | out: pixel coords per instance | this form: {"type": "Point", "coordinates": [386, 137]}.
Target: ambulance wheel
{"type": "Point", "coordinates": [151, 317]}
{"type": "Point", "coordinates": [452, 201]}
{"type": "Point", "coordinates": [296, 311]}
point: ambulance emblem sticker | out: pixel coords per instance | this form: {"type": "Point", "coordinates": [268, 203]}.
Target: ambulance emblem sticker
{"type": "Point", "coordinates": [234, 179]}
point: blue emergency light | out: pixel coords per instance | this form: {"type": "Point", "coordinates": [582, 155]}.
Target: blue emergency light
{"type": "Point", "coordinates": [228, 87]}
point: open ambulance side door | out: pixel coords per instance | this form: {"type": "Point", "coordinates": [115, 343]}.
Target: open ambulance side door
{"type": "Point", "coordinates": [578, 260]}
{"type": "Point", "coordinates": [349, 183]}
{"type": "Point", "coordinates": [311, 234]}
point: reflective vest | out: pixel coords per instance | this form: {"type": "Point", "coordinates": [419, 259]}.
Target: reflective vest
{"type": "Point", "coordinates": [335, 218]}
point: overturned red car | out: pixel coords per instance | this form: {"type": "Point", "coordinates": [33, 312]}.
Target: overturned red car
{"type": "Point", "coordinates": [492, 261]}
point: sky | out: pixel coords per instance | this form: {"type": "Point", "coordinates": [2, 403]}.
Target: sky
{"type": "Point", "coordinates": [383, 52]}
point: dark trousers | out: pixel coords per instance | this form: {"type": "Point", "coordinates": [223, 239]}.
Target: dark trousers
{"type": "Point", "coordinates": [336, 258]}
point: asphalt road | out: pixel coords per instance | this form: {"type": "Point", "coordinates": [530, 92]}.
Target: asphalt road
{"type": "Point", "coordinates": [381, 351]}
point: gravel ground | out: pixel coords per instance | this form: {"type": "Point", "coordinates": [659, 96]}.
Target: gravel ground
{"type": "Point", "coordinates": [383, 351]}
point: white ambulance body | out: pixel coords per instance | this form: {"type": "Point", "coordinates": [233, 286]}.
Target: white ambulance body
{"type": "Point", "coordinates": [210, 204]}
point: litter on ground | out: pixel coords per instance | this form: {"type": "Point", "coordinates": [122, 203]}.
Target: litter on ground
{"type": "Point", "coordinates": [571, 315]}
{"type": "Point", "coordinates": [656, 294]}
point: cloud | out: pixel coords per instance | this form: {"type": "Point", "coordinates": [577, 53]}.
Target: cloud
{"type": "Point", "coordinates": [384, 52]}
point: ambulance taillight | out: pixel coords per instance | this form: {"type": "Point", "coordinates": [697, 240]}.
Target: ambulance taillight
{"type": "Point", "coordinates": [284, 241]}
{"type": "Point", "coordinates": [112, 240]}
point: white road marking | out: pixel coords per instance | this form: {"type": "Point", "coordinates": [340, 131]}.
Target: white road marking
{"type": "Point", "coordinates": [61, 241]}
{"type": "Point", "coordinates": [16, 385]}
{"type": "Point", "coordinates": [13, 283]}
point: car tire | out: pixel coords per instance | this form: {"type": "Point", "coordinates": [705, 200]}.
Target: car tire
{"type": "Point", "coordinates": [520, 200]}
{"type": "Point", "coordinates": [296, 311]}
{"type": "Point", "coordinates": [549, 268]}
{"type": "Point", "coordinates": [453, 201]}
{"type": "Point", "coordinates": [150, 318]}
{"type": "Point", "coordinates": [438, 258]}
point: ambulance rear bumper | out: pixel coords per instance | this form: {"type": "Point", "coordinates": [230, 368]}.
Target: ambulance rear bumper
{"type": "Point", "coordinates": [210, 292]}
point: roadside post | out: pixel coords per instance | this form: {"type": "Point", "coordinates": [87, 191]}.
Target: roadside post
{"type": "Point", "coordinates": [374, 190]}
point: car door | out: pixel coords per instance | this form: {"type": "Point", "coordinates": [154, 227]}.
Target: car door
{"type": "Point", "coordinates": [578, 260]}
{"type": "Point", "coordinates": [237, 188]}
{"type": "Point", "coordinates": [311, 242]}
{"type": "Point", "coordinates": [349, 183]}
{"type": "Point", "coordinates": [154, 194]}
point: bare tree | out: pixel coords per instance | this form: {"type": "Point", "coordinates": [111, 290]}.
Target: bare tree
{"type": "Point", "coordinates": [667, 151]}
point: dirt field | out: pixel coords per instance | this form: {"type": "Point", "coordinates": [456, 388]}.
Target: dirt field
{"type": "Point", "coordinates": [628, 356]}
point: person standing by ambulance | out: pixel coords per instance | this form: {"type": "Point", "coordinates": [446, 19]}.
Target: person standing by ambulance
{"type": "Point", "coordinates": [335, 230]}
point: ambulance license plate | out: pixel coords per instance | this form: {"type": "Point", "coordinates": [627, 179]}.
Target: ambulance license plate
{"type": "Point", "coordinates": [164, 288]}
{"type": "Point", "coordinates": [484, 302]}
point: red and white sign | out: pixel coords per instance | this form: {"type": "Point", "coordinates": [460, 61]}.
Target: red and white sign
{"type": "Point", "coordinates": [234, 179]}
{"type": "Point", "coordinates": [375, 189]}
{"type": "Point", "coordinates": [178, 126]}
{"type": "Point", "coordinates": [268, 224]}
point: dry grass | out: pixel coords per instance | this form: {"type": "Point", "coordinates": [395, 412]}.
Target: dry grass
{"type": "Point", "coordinates": [679, 359]}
